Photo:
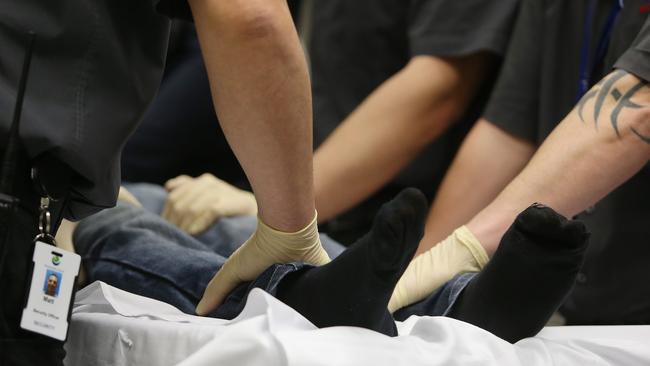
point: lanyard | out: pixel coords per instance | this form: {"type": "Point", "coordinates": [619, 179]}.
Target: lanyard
{"type": "Point", "coordinates": [8, 202]}
{"type": "Point", "coordinates": [11, 151]}
{"type": "Point", "coordinates": [587, 68]}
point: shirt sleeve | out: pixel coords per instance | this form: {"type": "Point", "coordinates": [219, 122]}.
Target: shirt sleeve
{"type": "Point", "coordinates": [457, 28]}
{"type": "Point", "coordinates": [636, 60]}
{"type": "Point", "coordinates": [514, 103]}
{"type": "Point", "coordinates": [175, 9]}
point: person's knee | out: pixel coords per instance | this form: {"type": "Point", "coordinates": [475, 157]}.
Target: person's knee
{"type": "Point", "coordinates": [103, 224]}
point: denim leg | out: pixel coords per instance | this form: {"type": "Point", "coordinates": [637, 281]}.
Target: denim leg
{"type": "Point", "coordinates": [151, 196]}
{"type": "Point", "coordinates": [137, 251]}
{"type": "Point", "coordinates": [440, 302]}
{"type": "Point", "coordinates": [227, 234]}
{"type": "Point", "coordinates": [268, 281]}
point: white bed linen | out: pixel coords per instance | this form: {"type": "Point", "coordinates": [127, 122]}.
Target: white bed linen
{"type": "Point", "coordinates": [113, 327]}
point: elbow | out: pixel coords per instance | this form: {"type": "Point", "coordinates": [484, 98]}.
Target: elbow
{"type": "Point", "coordinates": [443, 94]}
{"type": "Point", "coordinates": [441, 116]}
{"type": "Point", "coordinates": [256, 22]}
{"type": "Point", "coordinates": [454, 108]}
{"type": "Point", "coordinates": [244, 20]}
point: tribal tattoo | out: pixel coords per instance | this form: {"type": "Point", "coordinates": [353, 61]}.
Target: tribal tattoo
{"type": "Point", "coordinates": [607, 88]}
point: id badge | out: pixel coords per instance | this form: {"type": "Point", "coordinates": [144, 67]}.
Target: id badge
{"type": "Point", "coordinates": [49, 301]}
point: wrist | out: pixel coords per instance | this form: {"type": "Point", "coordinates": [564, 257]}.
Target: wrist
{"type": "Point", "coordinates": [488, 231]}
{"type": "Point", "coordinates": [298, 238]}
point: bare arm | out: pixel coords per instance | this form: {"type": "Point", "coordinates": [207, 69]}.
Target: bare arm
{"type": "Point", "coordinates": [391, 127]}
{"type": "Point", "coordinates": [261, 90]}
{"type": "Point", "coordinates": [474, 179]}
{"type": "Point", "coordinates": [603, 142]}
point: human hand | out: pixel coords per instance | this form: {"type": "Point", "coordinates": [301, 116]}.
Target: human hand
{"type": "Point", "coordinates": [264, 248]}
{"type": "Point", "coordinates": [194, 204]}
{"type": "Point", "coordinates": [460, 252]}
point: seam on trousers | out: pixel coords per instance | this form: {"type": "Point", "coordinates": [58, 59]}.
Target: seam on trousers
{"type": "Point", "coordinates": [143, 271]}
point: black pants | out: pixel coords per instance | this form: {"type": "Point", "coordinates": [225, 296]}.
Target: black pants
{"type": "Point", "coordinates": [19, 347]}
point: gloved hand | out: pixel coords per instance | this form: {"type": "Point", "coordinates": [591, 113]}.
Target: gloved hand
{"type": "Point", "coordinates": [460, 252]}
{"type": "Point", "coordinates": [194, 204]}
{"type": "Point", "coordinates": [265, 247]}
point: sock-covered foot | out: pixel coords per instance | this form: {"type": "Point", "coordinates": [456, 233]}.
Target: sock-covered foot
{"type": "Point", "coordinates": [529, 276]}
{"type": "Point", "coordinates": [354, 289]}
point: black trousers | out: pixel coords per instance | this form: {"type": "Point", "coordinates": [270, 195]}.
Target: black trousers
{"type": "Point", "coordinates": [19, 347]}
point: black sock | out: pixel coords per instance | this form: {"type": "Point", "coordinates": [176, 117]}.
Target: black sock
{"type": "Point", "coordinates": [354, 289]}
{"type": "Point", "coordinates": [529, 276]}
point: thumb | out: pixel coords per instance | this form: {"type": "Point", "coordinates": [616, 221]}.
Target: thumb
{"type": "Point", "coordinates": [396, 300]}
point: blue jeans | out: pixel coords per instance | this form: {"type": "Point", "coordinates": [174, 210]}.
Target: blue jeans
{"type": "Point", "coordinates": [225, 236]}
{"type": "Point", "coordinates": [136, 250]}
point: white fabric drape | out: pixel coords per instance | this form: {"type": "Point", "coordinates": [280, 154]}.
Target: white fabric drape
{"type": "Point", "coordinates": [113, 327]}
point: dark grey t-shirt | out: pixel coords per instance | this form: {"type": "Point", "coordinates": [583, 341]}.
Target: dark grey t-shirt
{"type": "Point", "coordinates": [539, 83]}
{"type": "Point", "coordinates": [357, 45]}
{"type": "Point", "coordinates": [538, 87]}
{"type": "Point", "coordinates": [636, 59]}
{"type": "Point", "coordinates": [96, 67]}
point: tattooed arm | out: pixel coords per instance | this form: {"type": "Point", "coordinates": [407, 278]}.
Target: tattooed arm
{"type": "Point", "coordinates": [610, 87]}
{"type": "Point", "coordinates": [602, 143]}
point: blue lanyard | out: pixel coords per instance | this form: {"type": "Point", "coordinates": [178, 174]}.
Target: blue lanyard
{"type": "Point", "coordinates": [586, 70]}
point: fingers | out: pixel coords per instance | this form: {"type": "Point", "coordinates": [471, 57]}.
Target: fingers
{"type": "Point", "coordinates": [194, 204]}
{"type": "Point", "coordinates": [218, 288]}
{"type": "Point", "coordinates": [176, 182]}
{"type": "Point", "coordinates": [173, 185]}
{"type": "Point", "coordinates": [195, 225]}
{"type": "Point", "coordinates": [180, 198]}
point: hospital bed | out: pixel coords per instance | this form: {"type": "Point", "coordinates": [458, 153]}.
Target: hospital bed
{"type": "Point", "coordinates": [112, 327]}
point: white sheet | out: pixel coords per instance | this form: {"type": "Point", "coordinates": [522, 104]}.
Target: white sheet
{"type": "Point", "coordinates": [113, 327]}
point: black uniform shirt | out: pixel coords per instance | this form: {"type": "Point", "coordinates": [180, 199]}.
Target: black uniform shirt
{"type": "Point", "coordinates": [538, 87]}
{"type": "Point", "coordinates": [96, 66]}
{"type": "Point", "coordinates": [356, 45]}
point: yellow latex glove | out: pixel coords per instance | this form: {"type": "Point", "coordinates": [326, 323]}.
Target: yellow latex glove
{"type": "Point", "coordinates": [264, 248]}
{"type": "Point", "coordinates": [460, 252]}
{"type": "Point", "coordinates": [194, 204]}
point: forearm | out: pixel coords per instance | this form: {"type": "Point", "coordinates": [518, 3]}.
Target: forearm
{"type": "Point", "coordinates": [474, 179]}
{"type": "Point", "coordinates": [597, 147]}
{"type": "Point", "coordinates": [391, 127]}
{"type": "Point", "coordinates": [261, 90]}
